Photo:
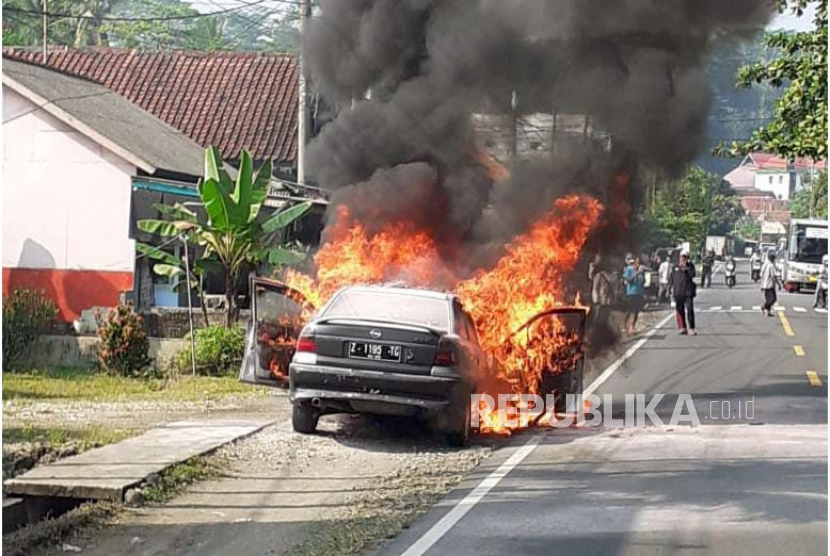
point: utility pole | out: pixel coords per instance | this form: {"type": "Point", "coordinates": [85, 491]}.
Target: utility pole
{"type": "Point", "coordinates": [190, 306]}
{"type": "Point", "coordinates": [45, 35]}
{"type": "Point", "coordinates": [513, 132]}
{"type": "Point", "coordinates": [302, 125]}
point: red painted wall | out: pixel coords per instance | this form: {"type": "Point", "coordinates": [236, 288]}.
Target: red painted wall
{"type": "Point", "coordinates": [71, 290]}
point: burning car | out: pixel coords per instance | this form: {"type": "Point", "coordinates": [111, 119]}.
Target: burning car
{"type": "Point", "coordinates": [386, 351]}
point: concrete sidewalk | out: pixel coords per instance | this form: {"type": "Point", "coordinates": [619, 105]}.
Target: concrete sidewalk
{"type": "Point", "coordinates": [106, 473]}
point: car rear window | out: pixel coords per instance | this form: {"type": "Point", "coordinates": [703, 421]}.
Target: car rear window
{"type": "Point", "coordinates": [392, 307]}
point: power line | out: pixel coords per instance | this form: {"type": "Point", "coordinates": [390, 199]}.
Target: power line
{"type": "Point", "coordinates": [160, 18]}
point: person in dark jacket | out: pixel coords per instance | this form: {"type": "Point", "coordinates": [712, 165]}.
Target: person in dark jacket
{"type": "Point", "coordinates": [683, 290]}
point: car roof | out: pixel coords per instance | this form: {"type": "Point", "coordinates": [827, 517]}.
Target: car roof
{"type": "Point", "coordinates": [414, 292]}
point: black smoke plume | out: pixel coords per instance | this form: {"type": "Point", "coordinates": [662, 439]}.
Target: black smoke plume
{"type": "Point", "coordinates": [407, 76]}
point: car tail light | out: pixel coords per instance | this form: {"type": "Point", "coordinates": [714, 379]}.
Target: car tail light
{"type": "Point", "coordinates": [307, 342]}
{"type": "Point", "coordinates": [447, 354]}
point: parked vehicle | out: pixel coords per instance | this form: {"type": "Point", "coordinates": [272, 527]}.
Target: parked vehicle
{"type": "Point", "coordinates": [730, 272]}
{"type": "Point", "coordinates": [386, 351]}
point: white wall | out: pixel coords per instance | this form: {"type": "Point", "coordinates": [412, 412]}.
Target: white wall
{"type": "Point", "coordinates": [776, 182]}
{"type": "Point", "coordinates": [66, 199]}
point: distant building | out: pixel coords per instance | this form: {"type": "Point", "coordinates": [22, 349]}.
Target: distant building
{"type": "Point", "coordinates": [764, 173]}
{"type": "Point", "coordinates": [533, 134]}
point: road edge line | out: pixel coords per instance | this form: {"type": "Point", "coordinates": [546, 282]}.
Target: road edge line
{"type": "Point", "coordinates": [434, 534]}
{"type": "Point", "coordinates": [612, 368]}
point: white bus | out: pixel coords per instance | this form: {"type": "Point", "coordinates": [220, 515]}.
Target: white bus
{"type": "Point", "coordinates": [807, 245]}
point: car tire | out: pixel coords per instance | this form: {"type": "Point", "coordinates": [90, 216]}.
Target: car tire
{"type": "Point", "coordinates": [304, 418]}
{"type": "Point", "coordinates": [459, 435]}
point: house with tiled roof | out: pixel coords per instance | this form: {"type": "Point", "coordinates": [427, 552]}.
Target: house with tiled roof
{"type": "Point", "coordinates": [100, 137]}
{"type": "Point", "coordinates": [231, 100]}
{"type": "Point", "coordinates": [75, 155]}
{"type": "Point", "coordinates": [765, 174]}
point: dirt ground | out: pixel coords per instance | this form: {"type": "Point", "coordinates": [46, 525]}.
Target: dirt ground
{"type": "Point", "coordinates": [360, 480]}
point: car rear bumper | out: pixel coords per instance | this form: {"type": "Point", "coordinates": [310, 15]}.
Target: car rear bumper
{"type": "Point", "coordinates": [357, 389]}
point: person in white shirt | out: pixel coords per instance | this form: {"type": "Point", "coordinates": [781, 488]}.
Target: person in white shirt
{"type": "Point", "coordinates": [664, 272]}
{"type": "Point", "coordinates": [769, 279]}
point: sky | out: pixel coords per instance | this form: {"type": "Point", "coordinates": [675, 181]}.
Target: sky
{"type": "Point", "coordinates": [789, 21]}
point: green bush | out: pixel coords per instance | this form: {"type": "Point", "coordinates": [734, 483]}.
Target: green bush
{"type": "Point", "coordinates": [27, 314]}
{"type": "Point", "coordinates": [219, 351]}
{"type": "Point", "coordinates": [124, 349]}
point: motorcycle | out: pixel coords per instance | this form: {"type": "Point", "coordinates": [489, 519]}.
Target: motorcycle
{"type": "Point", "coordinates": [730, 273]}
{"type": "Point", "coordinates": [756, 270]}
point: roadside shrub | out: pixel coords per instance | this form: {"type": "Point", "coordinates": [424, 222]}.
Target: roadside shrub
{"type": "Point", "coordinates": [124, 349]}
{"type": "Point", "coordinates": [219, 351]}
{"type": "Point", "coordinates": [27, 315]}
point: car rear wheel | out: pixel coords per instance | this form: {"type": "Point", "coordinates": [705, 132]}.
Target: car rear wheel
{"type": "Point", "coordinates": [304, 418]}
{"type": "Point", "coordinates": [458, 436]}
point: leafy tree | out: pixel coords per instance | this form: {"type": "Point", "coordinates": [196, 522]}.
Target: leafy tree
{"type": "Point", "coordinates": [811, 201]}
{"type": "Point", "coordinates": [800, 125]}
{"type": "Point", "coordinates": [172, 267]}
{"type": "Point", "coordinates": [749, 228]}
{"type": "Point", "coordinates": [256, 28]}
{"type": "Point", "coordinates": [152, 34]}
{"type": "Point", "coordinates": [232, 233]}
{"type": "Point", "coordinates": [700, 204]}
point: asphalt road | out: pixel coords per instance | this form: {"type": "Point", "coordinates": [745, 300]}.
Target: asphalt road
{"type": "Point", "coordinates": [741, 483]}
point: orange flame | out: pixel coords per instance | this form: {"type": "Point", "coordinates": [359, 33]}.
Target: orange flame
{"type": "Point", "coordinates": [528, 279]}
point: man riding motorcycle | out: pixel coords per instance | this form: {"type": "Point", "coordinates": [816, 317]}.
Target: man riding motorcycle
{"type": "Point", "coordinates": [730, 271]}
{"type": "Point", "coordinates": [755, 266]}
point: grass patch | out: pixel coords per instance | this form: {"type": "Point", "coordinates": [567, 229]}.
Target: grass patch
{"type": "Point", "coordinates": [66, 383]}
{"type": "Point", "coordinates": [27, 446]}
{"type": "Point", "coordinates": [174, 479]}
{"type": "Point", "coordinates": [87, 437]}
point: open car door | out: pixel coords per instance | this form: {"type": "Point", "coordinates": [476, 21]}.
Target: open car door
{"type": "Point", "coordinates": [561, 362]}
{"type": "Point", "coordinates": [278, 314]}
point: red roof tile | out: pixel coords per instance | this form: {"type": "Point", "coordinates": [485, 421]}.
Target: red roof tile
{"type": "Point", "coordinates": [768, 161]}
{"type": "Point", "coordinates": [232, 100]}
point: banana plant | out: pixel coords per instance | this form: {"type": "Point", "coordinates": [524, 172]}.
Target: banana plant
{"type": "Point", "coordinates": [232, 233]}
{"type": "Point", "coordinates": [170, 266]}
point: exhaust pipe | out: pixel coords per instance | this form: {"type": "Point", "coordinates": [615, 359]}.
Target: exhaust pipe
{"type": "Point", "coordinates": [315, 402]}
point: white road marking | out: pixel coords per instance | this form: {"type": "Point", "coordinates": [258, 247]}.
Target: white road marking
{"type": "Point", "coordinates": [438, 530]}
{"type": "Point", "coordinates": [799, 309]}
{"type": "Point", "coordinates": [715, 308]}
{"type": "Point", "coordinates": [735, 308]}
{"type": "Point", "coordinates": [612, 368]}
{"type": "Point", "coordinates": [778, 308]}
{"type": "Point", "coordinates": [820, 310]}
{"type": "Point", "coordinates": [756, 307]}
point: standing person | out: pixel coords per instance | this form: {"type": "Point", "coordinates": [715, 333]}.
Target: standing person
{"type": "Point", "coordinates": [821, 286]}
{"type": "Point", "coordinates": [664, 273]}
{"type": "Point", "coordinates": [634, 294]}
{"type": "Point", "coordinates": [708, 263]}
{"type": "Point", "coordinates": [602, 295]}
{"type": "Point", "coordinates": [683, 290]}
{"type": "Point", "coordinates": [769, 280]}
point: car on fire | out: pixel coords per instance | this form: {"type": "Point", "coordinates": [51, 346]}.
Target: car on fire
{"type": "Point", "coordinates": [376, 350]}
